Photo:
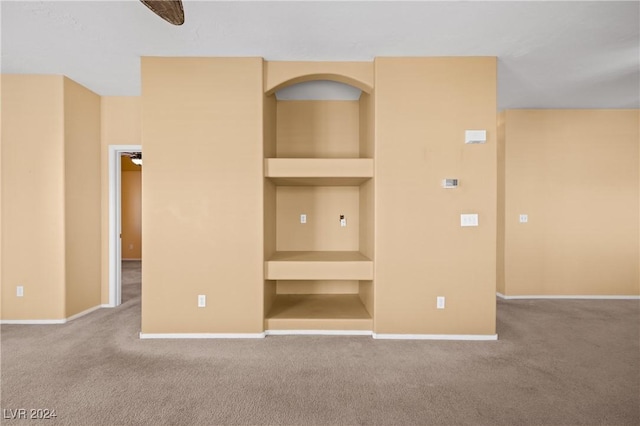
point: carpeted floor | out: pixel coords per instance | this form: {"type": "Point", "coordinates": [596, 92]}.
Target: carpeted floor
{"type": "Point", "coordinates": [558, 362]}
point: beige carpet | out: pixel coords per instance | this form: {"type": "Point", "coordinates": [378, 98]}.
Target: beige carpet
{"type": "Point", "coordinates": [556, 363]}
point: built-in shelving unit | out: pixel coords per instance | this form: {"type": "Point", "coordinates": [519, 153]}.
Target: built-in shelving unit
{"type": "Point", "coordinates": [319, 163]}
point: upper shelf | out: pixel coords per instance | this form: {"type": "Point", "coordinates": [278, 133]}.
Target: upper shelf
{"type": "Point", "coordinates": [318, 171]}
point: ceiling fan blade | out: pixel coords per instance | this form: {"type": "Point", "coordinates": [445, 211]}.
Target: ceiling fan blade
{"type": "Point", "coordinates": [169, 10]}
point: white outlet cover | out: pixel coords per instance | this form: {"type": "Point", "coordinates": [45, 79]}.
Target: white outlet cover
{"type": "Point", "coordinates": [469, 219]}
{"type": "Point", "coordinates": [303, 218]}
{"type": "Point", "coordinates": [440, 302]}
{"type": "Point", "coordinates": [19, 291]}
{"type": "Point", "coordinates": [202, 301]}
{"type": "Point", "coordinates": [524, 218]}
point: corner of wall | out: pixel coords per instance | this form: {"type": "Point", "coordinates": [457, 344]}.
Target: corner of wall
{"type": "Point", "coordinates": [82, 201]}
{"type": "Point", "coordinates": [500, 214]}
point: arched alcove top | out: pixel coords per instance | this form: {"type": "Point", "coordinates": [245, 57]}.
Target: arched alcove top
{"type": "Point", "coordinates": [278, 75]}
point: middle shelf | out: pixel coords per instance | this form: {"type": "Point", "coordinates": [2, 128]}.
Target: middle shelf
{"type": "Point", "coordinates": [318, 265]}
{"type": "Point", "coordinates": [318, 171]}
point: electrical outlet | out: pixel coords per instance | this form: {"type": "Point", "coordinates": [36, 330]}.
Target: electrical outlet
{"type": "Point", "coordinates": [524, 218]}
{"type": "Point", "coordinates": [468, 220]}
{"type": "Point", "coordinates": [202, 301]}
{"type": "Point", "coordinates": [440, 302]}
{"type": "Point", "coordinates": [19, 291]}
{"type": "Point", "coordinates": [303, 218]}
{"type": "Point", "coordinates": [343, 221]}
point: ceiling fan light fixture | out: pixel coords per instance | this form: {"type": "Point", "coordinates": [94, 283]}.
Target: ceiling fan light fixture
{"type": "Point", "coordinates": [136, 158]}
{"type": "Point", "coordinates": [169, 10]}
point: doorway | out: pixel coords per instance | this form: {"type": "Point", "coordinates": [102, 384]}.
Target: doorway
{"type": "Point", "coordinates": [115, 219]}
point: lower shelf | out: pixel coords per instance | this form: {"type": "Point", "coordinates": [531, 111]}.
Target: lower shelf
{"type": "Point", "coordinates": [318, 312]}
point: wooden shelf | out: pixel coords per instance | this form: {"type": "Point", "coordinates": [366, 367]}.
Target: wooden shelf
{"type": "Point", "coordinates": [319, 265]}
{"type": "Point", "coordinates": [318, 312]}
{"type": "Point", "coordinates": [318, 171]}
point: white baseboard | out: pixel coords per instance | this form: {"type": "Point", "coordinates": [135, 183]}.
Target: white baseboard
{"type": "Point", "coordinates": [83, 313]}
{"type": "Point", "coordinates": [201, 335]}
{"type": "Point", "coordinates": [54, 321]}
{"type": "Point", "coordinates": [435, 336]}
{"type": "Point", "coordinates": [318, 332]}
{"type": "Point", "coordinates": [585, 297]}
{"type": "Point", "coordinates": [34, 322]}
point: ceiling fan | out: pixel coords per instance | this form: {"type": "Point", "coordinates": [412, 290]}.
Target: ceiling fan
{"type": "Point", "coordinates": [136, 157]}
{"type": "Point", "coordinates": [169, 10]}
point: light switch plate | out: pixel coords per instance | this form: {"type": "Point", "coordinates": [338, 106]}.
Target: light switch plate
{"type": "Point", "coordinates": [449, 183]}
{"type": "Point", "coordinates": [19, 291]}
{"type": "Point", "coordinates": [202, 301]}
{"type": "Point", "coordinates": [303, 218]}
{"type": "Point", "coordinates": [469, 219]}
{"type": "Point", "coordinates": [440, 302]}
{"type": "Point", "coordinates": [524, 218]}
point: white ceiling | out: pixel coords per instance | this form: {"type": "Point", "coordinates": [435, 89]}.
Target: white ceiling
{"type": "Point", "coordinates": [550, 54]}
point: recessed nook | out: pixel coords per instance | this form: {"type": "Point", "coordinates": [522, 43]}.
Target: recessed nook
{"type": "Point", "coordinates": [319, 163]}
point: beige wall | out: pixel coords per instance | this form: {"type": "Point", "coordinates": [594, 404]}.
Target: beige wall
{"type": "Point", "coordinates": [33, 224]}
{"type": "Point", "coordinates": [121, 119]}
{"type": "Point", "coordinates": [422, 108]}
{"type": "Point", "coordinates": [1, 196]}
{"type": "Point", "coordinates": [131, 213]}
{"type": "Point", "coordinates": [500, 205]}
{"type": "Point", "coordinates": [269, 195]}
{"type": "Point", "coordinates": [575, 173]}
{"type": "Point", "coordinates": [318, 129]}
{"type": "Point", "coordinates": [367, 192]}
{"type": "Point", "coordinates": [51, 201]}
{"type": "Point", "coordinates": [82, 197]}
{"type": "Point", "coordinates": [202, 199]}
{"type": "Point", "coordinates": [317, 287]}
{"type": "Point", "coordinates": [323, 206]}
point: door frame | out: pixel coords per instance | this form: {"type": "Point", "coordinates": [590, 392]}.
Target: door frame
{"type": "Point", "coordinates": [115, 220]}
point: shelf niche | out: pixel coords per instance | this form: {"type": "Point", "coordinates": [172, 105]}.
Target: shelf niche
{"type": "Point", "coordinates": [318, 312]}
{"type": "Point", "coordinates": [318, 162]}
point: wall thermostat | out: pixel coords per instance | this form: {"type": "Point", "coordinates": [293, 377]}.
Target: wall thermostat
{"type": "Point", "coordinates": [449, 183]}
